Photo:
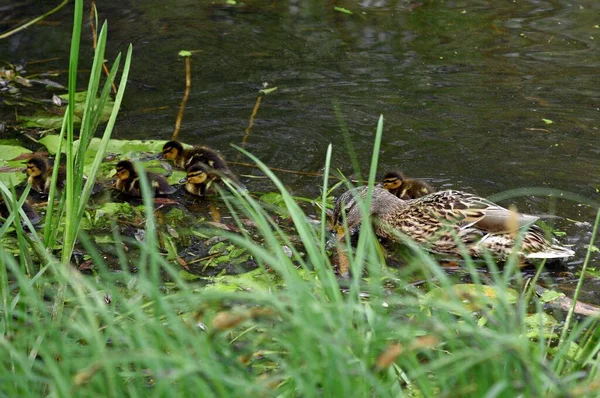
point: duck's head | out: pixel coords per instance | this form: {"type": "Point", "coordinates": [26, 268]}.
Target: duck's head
{"type": "Point", "coordinates": [125, 170]}
{"type": "Point", "coordinates": [392, 180]}
{"type": "Point", "coordinates": [171, 150]}
{"type": "Point", "coordinates": [36, 166]}
{"type": "Point", "coordinates": [196, 174]}
{"type": "Point", "coordinates": [351, 204]}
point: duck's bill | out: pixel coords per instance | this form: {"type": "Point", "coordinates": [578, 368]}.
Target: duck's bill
{"type": "Point", "coordinates": [183, 180]}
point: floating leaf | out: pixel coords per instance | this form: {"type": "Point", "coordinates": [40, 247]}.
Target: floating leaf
{"type": "Point", "coordinates": [13, 173]}
{"type": "Point", "coordinates": [253, 280]}
{"type": "Point", "coordinates": [276, 200]}
{"type": "Point", "coordinates": [50, 141]}
{"type": "Point", "coordinates": [541, 324]}
{"type": "Point", "coordinates": [267, 91]}
{"type": "Point", "coordinates": [48, 120]}
{"type": "Point", "coordinates": [126, 149]}
{"type": "Point", "coordinates": [547, 121]}
{"type": "Point", "coordinates": [474, 297]}
{"type": "Point", "coordinates": [186, 276]}
{"type": "Point", "coordinates": [343, 10]}
{"type": "Point", "coordinates": [550, 295]}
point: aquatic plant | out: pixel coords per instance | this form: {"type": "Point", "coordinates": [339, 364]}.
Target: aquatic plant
{"type": "Point", "coordinates": [289, 328]}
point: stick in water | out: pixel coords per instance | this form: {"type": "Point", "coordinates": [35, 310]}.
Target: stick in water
{"type": "Point", "coordinates": [188, 85]}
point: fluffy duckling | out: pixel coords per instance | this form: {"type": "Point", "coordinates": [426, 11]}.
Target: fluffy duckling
{"type": "Point", "coordinates": [27, 208]}
{"type": "Point", "coordinates": [405, 188]}
{"type": "Point", "coordinates": [184, 158]}
{"type": "Point", "coordinates": [437, 220]}
{"type": "Point", "coordinates": [197, 180]}
{"type": "Point", "coordinates": [39, 174]}
{"type": "Point", "coordinates": [128, 181]}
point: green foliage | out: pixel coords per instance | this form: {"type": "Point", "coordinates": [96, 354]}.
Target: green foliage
{"type": "Point", "coordinates": [47, 120]}
{"type": "Point", "coordinates": [13, 173]}
{"type": "Point", "coordinates": [285, 329]}
{"type": "Point", "coordinates": [343, 10]}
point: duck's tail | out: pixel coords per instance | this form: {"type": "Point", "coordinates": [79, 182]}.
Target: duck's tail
{"type": "Point", "coordinates": [552, 251]}
{"type": "Point", "coordinates": [537, 245]}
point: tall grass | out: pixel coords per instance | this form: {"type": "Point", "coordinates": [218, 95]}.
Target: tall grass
{"type": "Point", "coordinates": [287, 329]}
{"type": "Point", "coordinates": [77, 189]}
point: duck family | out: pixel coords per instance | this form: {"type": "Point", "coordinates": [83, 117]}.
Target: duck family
{"type": "Point", "coordinates": [449, 222]}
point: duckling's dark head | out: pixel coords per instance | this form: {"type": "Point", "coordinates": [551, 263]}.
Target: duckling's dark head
{"type": "Point", "coordinates": [36, 166]}
{"type": "Point", "coordinates": [125, 170]}
{"type": "Point", "coordinates": [392, 180]}
{"type": "Point", "coordinates": [172, 149]}
{"type": "Point", "coordinates": [196, 174]}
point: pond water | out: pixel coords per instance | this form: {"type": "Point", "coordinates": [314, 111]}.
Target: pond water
{"type": "Point", "coordinates": [464, 87]}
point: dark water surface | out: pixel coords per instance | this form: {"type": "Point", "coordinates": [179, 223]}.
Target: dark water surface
{"type": "Point", "coordinates": [464, 87]}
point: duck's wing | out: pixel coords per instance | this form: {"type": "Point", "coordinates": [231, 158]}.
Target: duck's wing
{"type": "Point", "coordinates": [469, 210]}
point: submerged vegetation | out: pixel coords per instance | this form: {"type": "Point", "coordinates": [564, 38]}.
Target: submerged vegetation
{"type": "Point", "coordinates": [286, 324]}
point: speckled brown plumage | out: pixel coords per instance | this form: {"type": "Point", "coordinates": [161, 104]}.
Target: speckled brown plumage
{"type": "Point", "coordinates": [436, 220]}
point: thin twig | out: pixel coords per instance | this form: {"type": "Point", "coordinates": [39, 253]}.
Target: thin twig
{"type": "Point", "coordinates": [198, 260]}
{"type": "Point", "coordinates": [188, 85]}
{"type": "Point", "coordinates": [296, 172]}
{"type": "Point", "coordinates": [33, 21]}
{"type": "Point", "coordinates": [41, 61]}
{"type": "Point", "coordinates": [251, 122]}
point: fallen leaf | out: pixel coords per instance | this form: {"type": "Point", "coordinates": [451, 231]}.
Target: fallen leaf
{"type": "Point", "coordinates": [389, 356]}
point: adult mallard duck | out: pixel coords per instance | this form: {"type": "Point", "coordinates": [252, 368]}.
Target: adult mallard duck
{"type": "Point", "coordinates": [435, 220]}
{"type": "Point", "coordinates": [39, 174]}
{"type": "Point", "coordinates": [405, 188]}
{"type": "Point", "coordinates": [128, 181]}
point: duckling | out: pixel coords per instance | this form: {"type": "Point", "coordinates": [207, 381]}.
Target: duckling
{"type": "Point", "coordinates": [405, 188]}
{"type": "Point", "coordinates": [27, 208]}
{"type": "Point", "coordinates": [128, 181]}
{"type": "Point", "coordinates": [197, 180]}
{"type": "Point", "coordinates": [184, 158]}
{"type": "Point", "coordinates": [437, 220]}
{"type": "Point", "coordinates": [39, 174]}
